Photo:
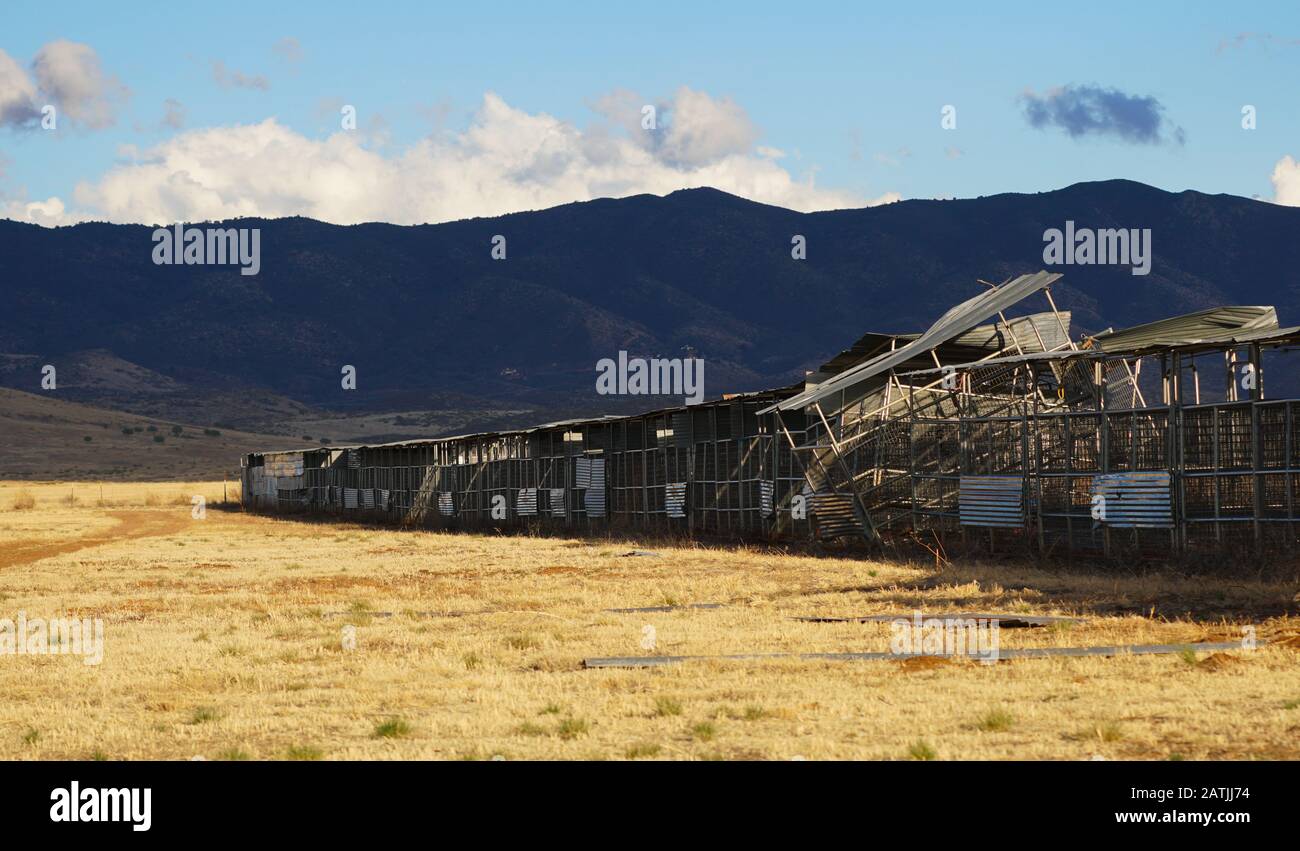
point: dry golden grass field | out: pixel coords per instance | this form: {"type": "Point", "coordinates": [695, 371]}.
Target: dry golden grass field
{"type": "Point", "coordinates": [224, 639]}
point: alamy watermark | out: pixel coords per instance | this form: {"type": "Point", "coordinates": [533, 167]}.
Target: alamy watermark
{"type": "Point", "coordinates": [651, 376]}
{"type": "Point", "coordinates": [26, 636]}
{"type": "Point", "coordinates": [1101, 247]}
{"type": "Point", "coordinates": [94, 804]}
{"type": "Point", "coordinates": [182, 246]}
{"type": "Point", "coordinates": [921, 636]}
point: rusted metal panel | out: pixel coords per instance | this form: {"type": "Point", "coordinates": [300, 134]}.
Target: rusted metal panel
{"type": "Point", "coordinates": [286, 464]}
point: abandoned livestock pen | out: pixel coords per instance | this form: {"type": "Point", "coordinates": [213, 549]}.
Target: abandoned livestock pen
{"type": "Point", "coordinates": [1154, 440]}
{"type": "Point", "coordinates": [708, 469]}
{"type": "Point", "coordinates": [988, 430]}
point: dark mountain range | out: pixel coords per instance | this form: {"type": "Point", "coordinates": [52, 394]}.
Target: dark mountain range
{"type": "Point", "coordinates": [431, 321]}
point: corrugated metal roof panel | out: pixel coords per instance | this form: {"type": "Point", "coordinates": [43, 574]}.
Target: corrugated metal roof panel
{"type": "Point", "coordinates": [1279, 335]}
{"type": "Point", "coordinates": [1035, 333]}
{"type": "Point", "coordinates": [1213, 324]}
{"type": "Point", "coordinates": [958, 320]}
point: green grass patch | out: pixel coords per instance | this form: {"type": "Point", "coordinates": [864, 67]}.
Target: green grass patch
{"type": "Point", "coordinates": [922, 750]}
{"type": "Point", "coordinates": [393, 728]}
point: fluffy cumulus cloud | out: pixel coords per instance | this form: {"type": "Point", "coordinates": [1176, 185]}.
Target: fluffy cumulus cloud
{"type": "Point", "coordinates": [50, 213]}
{"type": "Point", "coordinates": [71, 75]}
{"type": "Point", "coordinates": [67, 75]}
{"type": "Point", "coordinates": [1084, 110]}
{"type": "Point", "coordinates": [1286, 182]}
{"type": "Point", "coordinates": [505, 161]}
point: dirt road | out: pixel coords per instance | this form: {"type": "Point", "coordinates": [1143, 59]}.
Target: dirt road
{"type": "Point", "coordinates": [131, 525]}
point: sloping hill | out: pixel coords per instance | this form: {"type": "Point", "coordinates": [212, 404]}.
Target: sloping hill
{"type": "Point", "coordinates": [431, 321]}
{"type": "Point", "coordinates": [46, 438]}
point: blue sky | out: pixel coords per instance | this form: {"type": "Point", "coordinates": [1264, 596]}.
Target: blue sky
{"type": "Point", "coordinates": [848, 94]}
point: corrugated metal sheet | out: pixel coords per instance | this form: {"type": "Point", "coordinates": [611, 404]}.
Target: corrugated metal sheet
{"type": "Point", "coordinates": [960, 319]}
{"type": "Point", "coordinates": [284, 464]}
{"type": "Point", "coordinates": [527, 501]}
{"type": "Point", "coordinates": [446, 506]}
{"type": "Point", "coordinates": [835, 516]}
{"type": "Point", "coordinates": [557, 502]}
{"type": "Point", "coordinates": [1214, 324]}
{"type": "Point", "coordinates": [1036, 332]}
{"type": "Point", "coordinates": [675, 499]}
{"type": "Point", "coordinates": [992, 501]}
{"type": "Point", "coordinates": [869, 345]}
{"type": "Point", "coordinates": [1134, 500]}
{"type": "Point", "coordinates": [593, 499]}
{"type": "Point", "coordinates": [1268, 336]}
{"type": "Point", "coordinates": [765, 490]}
{"type": "Point", "coordinates": [1044, 357]}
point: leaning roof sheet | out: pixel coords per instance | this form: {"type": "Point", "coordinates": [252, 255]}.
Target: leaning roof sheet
{"type": "Point", "coordinates": [956, 321]}
{"type": "Point", "coordinates": [1269, 335]}
{"type": "Point", "coordinates": [1214, 324]}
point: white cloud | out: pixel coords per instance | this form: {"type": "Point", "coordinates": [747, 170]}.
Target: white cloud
{"type": "Point", "coordinates": [506, 161]}
{"type": "Point", "coordinates": [17, 94]}
{"type": "Point", "coordinates": [1286, 182]}
{"type": "Point", "coordinates": [70, 74]}
{"type": "Point", "coordinates": [49, 212]}
{"type": "Point", "coordinates": [703, 130]}
{"type": "Point", "coordinates": [66, 75]}
{"type": "Point", "coordinates": [692, 129]}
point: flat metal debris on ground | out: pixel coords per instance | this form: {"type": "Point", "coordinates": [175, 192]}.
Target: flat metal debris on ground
{"type": "Point", "coordinates": [1002, 655]}
{"type": "Point", "coordinates": [667, 608]}
{"type": "Point", "coordinates": [1005, 621]}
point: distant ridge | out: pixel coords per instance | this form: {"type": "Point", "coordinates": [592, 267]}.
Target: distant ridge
{"type": "Point", "coordinates": [430, 320]}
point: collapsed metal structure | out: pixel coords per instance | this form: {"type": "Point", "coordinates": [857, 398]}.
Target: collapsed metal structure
{"type": "Point", "coordinates": [987, 430]}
